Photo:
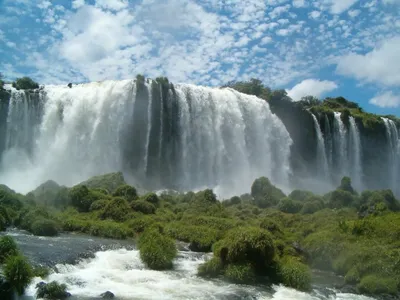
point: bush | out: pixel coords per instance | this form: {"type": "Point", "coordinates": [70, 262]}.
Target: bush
{"type": "Point", "coordinates": [247, 245]}
{"type": "Point", "coordinates": [108, 229]}
{"type": "Point", "coordinates": [300, 195]}
{"type": "Point", "coordinates": [18, 272]}
{"type": "Point", "coordinates": [143, 207]}
{"type": "Point", "coordinates": [341, 198]}
{"type": "Point", "coordinates": [240, 273]}
{"type": "Point", "coordinates": [52, 291]}
{"type": "Point", "coordinates": [374, 285]}
{"type": "Point", "coordinates": [117, 209]}
{"type": "Point", "coordinates": [140, 224]}
{"type": "Point", "coordinates": [8, 247]}
{"type": "Point", "coordinates": [5, 215]}
{"type": "Point", "coordinates": [311, 207]}
{"type": "Point", "coordinates": [289, 206]}
{"type": "Point", "coordinates": [110, 181]}
{"type": "Point", "coordinates": [294, 274]}
{"type": "Point", "coordinates": [151, 198]}
{"type": "Point", "coordinates": [126, 191]}
{"type": "Point", "coordinates": [25, 83]}
{"type": "Point", "coordinates": [264, 193]}
{"type": "Point", "coordinates": [44, 227]}
{"type": "Point", "coordinates": [345, 185]}
{"type": "Point", "coordinates": [157, 251]}
{"type": "Point", "coordinates": [9, 199]}
{"type": "Point", "coordinates": [271, 226]}
{"type": "Point", "coordinates": [211, 268]}
{"type": "Point", "coordinates": [99, 205]}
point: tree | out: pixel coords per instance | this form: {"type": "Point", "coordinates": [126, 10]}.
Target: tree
{"type": "Point", "coordinates": [1, 81]}
{"type": "Point", "coordinates": [252, 87]}
{"type": "Point", "coordinates": [25, 83]}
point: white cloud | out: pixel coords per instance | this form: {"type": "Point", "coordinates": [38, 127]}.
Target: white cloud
{"type": "Point", "coordinates": [112, 4]}
{"type": "Point", "coordinates": [311, 87]}
{"type": "Point", "coordinates": [277, 11]}
{"type": "Point", "coordinates": [314, 14]}
{"type": "Point", "coordinates": [11, 44]}
{"type": "Point", "coordinates": [354, 13]}
{"type": "Point", "coordinates": [387, 99]}
{"type": "Point", "coordinates": [378, 66]}
{"type": "Point", "coordinates": [78, 3]}
{"type": "Point", "coordinates": [44, 4]}
{"type": "Point", "coordinates": [299, 3]}
{"type": "Point", "coordinates": [265, 40]}
{"type": "Point", "coordinates": [340, 6]}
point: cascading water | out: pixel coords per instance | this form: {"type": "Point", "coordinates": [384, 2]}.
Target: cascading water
{"type": "Point", "coordinates": [356, 171]}
{"type": "Point", "coordinates": [340, 140]}
{"type": "Point", "coordinates": [392, 134]}
{"type": "Point", "coordinates": [322, 161]}
{"type": "Point", "coordinates": [182, 136]}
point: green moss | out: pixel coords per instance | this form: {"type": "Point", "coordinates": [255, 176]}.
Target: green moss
{"type": "Point", "coordinates": [294, 274]}
{"type": "Point", "coordinates": [157, 251]}
{"type": "Point", "coordinates": [374, 285]}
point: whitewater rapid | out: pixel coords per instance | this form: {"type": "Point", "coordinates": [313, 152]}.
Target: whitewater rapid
{"type": "Point", "coordinates": [122, 272]}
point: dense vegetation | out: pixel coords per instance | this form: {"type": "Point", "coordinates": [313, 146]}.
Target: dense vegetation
{"type": "Point", "coordinates": [263, 237]}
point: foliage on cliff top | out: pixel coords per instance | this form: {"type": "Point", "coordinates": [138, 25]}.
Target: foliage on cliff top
{"type": "Point", "coordinates": [25, 83]}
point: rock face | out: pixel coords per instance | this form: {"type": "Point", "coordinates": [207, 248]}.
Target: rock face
{"type": "Point", "coordinates": [107, 295]}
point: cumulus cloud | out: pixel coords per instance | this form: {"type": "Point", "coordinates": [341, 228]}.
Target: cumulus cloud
{"type": "Point", "coordinates": [387, 99]}
{"type": "Point", "coordinates": [377, 66]}
{"type": "Point", "coordinates": [339, 6]}
{"type": "Point", "coordinates": [299, 3]}
{"type": "Point", "coordinates": [311, 87]}
{"type": "Point", "coordinates": [78, 3]}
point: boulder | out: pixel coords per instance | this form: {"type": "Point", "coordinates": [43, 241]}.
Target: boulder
{"type": "Point", "coordinates": [107, 295]}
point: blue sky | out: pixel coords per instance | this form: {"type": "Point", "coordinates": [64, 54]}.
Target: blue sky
{"type": "Point", "coordinates": [317, 47]}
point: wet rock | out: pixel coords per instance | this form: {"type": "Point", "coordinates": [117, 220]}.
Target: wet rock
{"type": "Point", "coordinates": [70, 85]}
{"type": "Point", "coordinates": [107, 295]}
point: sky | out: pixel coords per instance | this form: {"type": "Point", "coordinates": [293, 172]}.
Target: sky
{"type": "Point", "coordinates": [348, 48]}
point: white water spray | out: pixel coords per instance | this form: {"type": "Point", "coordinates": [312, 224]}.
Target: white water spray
{"type": "Point", "coordinates": [356, 172]}
{"type": "Point", "coordinates": [203, 137]}
{"type": "Point", "coordinates": [392, 134]}
{"type": "Point", "coordinates": [322, 161]}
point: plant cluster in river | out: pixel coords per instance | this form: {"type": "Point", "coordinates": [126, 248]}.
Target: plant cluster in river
{"type": "Point", "coordinates": [262, 237]}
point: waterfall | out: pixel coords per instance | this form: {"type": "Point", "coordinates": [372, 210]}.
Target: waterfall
{"type": "Point", "coordinates": [392, 135]}
{"type": "Point", "coordinates": [340, 134]}
{"type": "Point", "coordinates": [183, 136]}
{"type": "Point", "coordinates": [328, 139]}
{"type": "Point", "coordinates": [322, 162]}
{"type": "Point", "coordinates": [356, 172]}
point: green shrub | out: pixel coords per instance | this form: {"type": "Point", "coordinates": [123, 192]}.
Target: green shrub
{"type": "Point", "coordinates": [80, 198]}
{"type": "Point", "coordinates": [52, 290]}
{"type": "Point", "coordinates": [140, 224]}
{"type": "Point", "coordinates": [28, 216]}
{"type": "Point", "coordinates": [143, 207]}
{"type": "Point", "coordinates": [294, 274]}
{"type": "Point", "coordinates": [374, 285]}
{"type": "Point", "coordinates": [109, 229]}
{"type": "Point", "coordinates": [5, 215]}
{"type": "Point", "coordinates": [40, 271]}
{"type": "Point", "coordinates": [117, 209]}
{"type": "Point", "coordinates": [341, 198]}
{"type": "Point", "coordinates": [126, 191]}
{"type": "Point", "coordinates": [8, 198]}
{"type": "Point", "coordinates": [310, 207]}
{"type": "Point", "coordinates": [99, 205]}
{"type": "Point", "coordinates": [44, 227]}
{"type": "Point", "coordinates": [290, 206]}
{"type": "Point", "coordinates": [271, 226]}
{"type": "Point", "coordinates": [3, 223]}
{"type": "Point", "coordinates": [156, 251]}
{"type": "Point", "coordinates": [300, 195]}
{"type": "Point", "coordinates": [352, 276]}
{"type": "Point", "coordinates": [265, 194]}
{"type": "Point", "coordinates": [110, 181]}
{"type": "Point", "coordinates": [18, 272]}
{"type": "Point", "coordinates": [247, 244]}
{"type": "Point", "coordinates": [345, 185]}
{"type": "Point", "coordinates": [25, 83]}
{"type": "Point", "coordinates": [8, 247]}
{"type": "Point", "coordinates": [211, 268]}
{"type": "Point", "coordinates": [151, 198]}
{"type": "Point", "coordinates": [240, 273]}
